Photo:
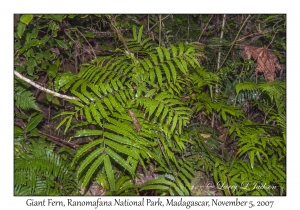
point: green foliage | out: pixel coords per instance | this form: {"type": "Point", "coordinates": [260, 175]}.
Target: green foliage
{"type": "Point", "coordinates": [276, 91]}
{"type": "Point", "coordinates": [170, 184]}
{"type": "Point", "coordinates": [25, 100]}
{"type": "Point", "coordinates": [116, 93]}
{"type": "Point", "coordinates": [38, 170]}
{"type": "Point", "coordinates": [137, 43]}
{"type": "Point", "coordinates": [256, 168]}
{"type": "Point", "coordinates": [165, 110]}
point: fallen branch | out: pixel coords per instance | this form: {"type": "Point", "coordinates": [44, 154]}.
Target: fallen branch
{"type": "Point", "coordinates": [44, 89]}
{"type": "Point", "coordinates": [60, 142]}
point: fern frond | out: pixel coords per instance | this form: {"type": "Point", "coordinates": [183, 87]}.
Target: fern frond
{"type": "Point", "coordinates": [89, 160]}
{"type": "Point", "coordinates": [42, 172]}
{"type": "Point", "coordinates": [120, 160]}
{"type": "Point", "coordinates": [109, 173]}
{"type": "Point", "coordinates": [25, 100]}
{"type": "Point", "coordinates": [247, 86]}
{"type": "Point", "coordinates": [92, 169]}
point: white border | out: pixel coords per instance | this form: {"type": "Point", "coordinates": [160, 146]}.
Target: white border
{"type": "Point", "coordinates": [8, 8]}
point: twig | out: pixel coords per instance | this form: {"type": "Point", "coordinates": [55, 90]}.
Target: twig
{"type": "Point", "coordinates": [167, 38]}
{"type": "Point", "coordinates": [254, 34]}
{"type": "Point", "coordinates": [205, 27]}
{"type": "Point", "coordinates": [113, 23]}
{"type": "Point", "coordinates": [232, 44]}
{"type": "Point", "coordinates": [78, 44]}
{"type": "Point", "coordinates": [44, 89]}
{"type": "Point", "coordinates": [148, 21]}
{"type": "Point", "coordinates": [60, 144]}
{"type": "Point", "coordinates": [60, 141]}
{"type": "Point", "coordinates": [221, 37]}
{"type": "Point", "coordinates": [271, 40]}
{"type": "Point", "coordinates": [159, 40]}
{"type": "Point", "coordinates": [87, 42]}
{"type": "Point", "coordinates": [157, 23]}
{"type": "Point", "coordinates": [38, 90]}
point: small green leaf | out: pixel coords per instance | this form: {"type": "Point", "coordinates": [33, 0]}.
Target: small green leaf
{"type": "Point", "coordinates": [216, 175]}
{"type": "Point", "coordinates": [79, 95]}
{"type": "Point", "coordinates": [61, 44]}
{"type": "Point", "coordinates": [52, 70]}
{"type": "Point", "coordinates": [89, 159]}
{"type": "Point", "coordinates": [119, 160]}
{"type": "Point", "coordinates": [87, 132]}
{"type": "Point", "coordinates": [44, 39]}
{"type": "Point", "coordinates": [71, 16]}
{"type": "Point", "coordinates": [134, 33]}
{"type": "Point", "coordinates": [148, 63]}
{"type": "Point", "coordinates": [33, 122]}
{"type": "Point", "coordinates": [159, 76]}
{"type": "Point", "coordinates": [258, 157]}
{"type": "Point", "coordinates": [150, 93]}
{"type": "Point", "coordinates": [28, 45]}
{"type": "Point", "coordinates": [251, 154]}
{"type": "Point", "coordinates": [26, 19]}
{"type": "Point", "coordinates": [152, 107]}
{"type": "Point", "coordinates": [108, 104]}
{"type": "Point", "coordinates": [34, 33]}
{"type": "Point", "coordinates": [166, 110]}
{"type": "Point", "coordinates": [120, 148]}
{"type": "Point", "coordinates": [167, 72]}
{"type": "Point", "coordinates": [56, 101]}
{"type": "Point", "coordinates": [109, 173]}
{"type": "Point", "coordinates": [173, 70]}
{"type": "Point", "coordinates": [155, 187]}
{"type": "Point", "coordinates": [152, 75]}
{"type": "Point", "coordinates": [181, 48]}
{"type": "Point", "coordinates": [159, 109]}
{"type": "Point", "coordinates": [21, 29]}
{"type": "Point", "coordinates": [140, 34]}
{"type": "Point", "coordinates": [58, 17]}
{"type": "Point", "coordinates": [174, 123]}
{"type": "Point", "coordinates": [68, 124]}
{"type": "Point", "coordinates": [153, 58]}
{"type": "Point", "coordinates": [185, 180]}
{"type": "Point", "coordinates": [160, 181]}
{"type": "Point", "coordinates": [86, 148]}
{"type": "Point", "coordinates": [87, 114]}
{"type": "Point", "coordinates": [62, 122]}
{"type": "Point", "coordinates": [167, 53]}
{"type": "Point", "coordinates": [174, 50]}
{"type": "Point", "coordinates": [34, 132]}
{"type": "Point", "coordinates": [180, 66]}
{"type": "Point", "coordinates": [90, 34]}
{"type": "Point", "coordinates": [30, 70]}
{"type": "Point", "coordinates": [31, 62]}
{"type": "Point", "coordinates": [182, 190]}
{"type": "Point", "coordinates": [223, 115]}
{"type": "Point", "coordinates": [18, 131]}
{"type": "Point", "coordinates": [160, 54]}
{"type": "Point", "coordinates": [92, 170]}
{"type": "Point", "coordinates": [95, 114]}
{"type": "Point", "coordinates": [115, 104]}
{"type": "Point", "coordinates": [101, 109]}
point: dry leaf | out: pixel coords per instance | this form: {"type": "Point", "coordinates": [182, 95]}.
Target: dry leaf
{"type": "Point", "coordinates": [205, 135]}
{"type": "Point", "coordinates": [134, 120]}
{"type": "Point", "coordinates": [266, 61]}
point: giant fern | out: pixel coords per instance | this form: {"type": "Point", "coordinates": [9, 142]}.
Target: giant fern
{"type": "Point", "coordinates": [135, 104]}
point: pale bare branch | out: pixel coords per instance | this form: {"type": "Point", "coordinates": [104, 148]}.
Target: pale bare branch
{"type": "Point", "coordinates": [44, 89]}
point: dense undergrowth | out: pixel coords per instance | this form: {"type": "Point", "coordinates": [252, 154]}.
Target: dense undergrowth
{"type": "Point", "coordinates": [150, 108]}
